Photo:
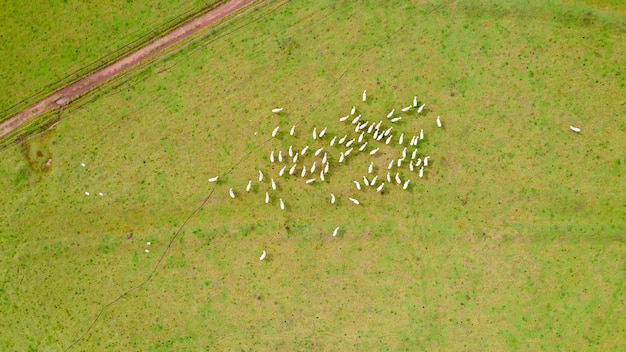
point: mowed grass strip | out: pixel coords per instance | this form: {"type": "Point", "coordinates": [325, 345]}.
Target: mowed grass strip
{"type": "Point", "coordinates": [514, 239]}
{"type": "Point", "coordinates": [44, 43]}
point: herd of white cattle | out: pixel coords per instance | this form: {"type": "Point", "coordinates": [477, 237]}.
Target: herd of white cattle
{"type": "Point", "coordinates": [393, 157]}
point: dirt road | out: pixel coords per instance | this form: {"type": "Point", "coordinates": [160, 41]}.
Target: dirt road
{"type": "Point", "coordinates": [67, 94]}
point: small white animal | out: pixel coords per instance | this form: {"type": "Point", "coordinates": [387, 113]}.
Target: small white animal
{"type": "Point", "coordinates": [388, 139]}
{"type": "Point", "coordinates": [426, 161]}
{"type": "Point", "coordinates": [341, 156]}
{"type": "Point", "coordinates": [390, 113]}
{"type": "Point", "coordinates": [401, 138]}
{"type": "Point", "coordinates": [273, 185]}
{"type": "Point", "coordinates": [304, 150]}
{"type": "Point", "coordinates": [421, 172]}
{"type": "Point", "coordinates": [419, 110]}
{"type": "Point", "coordinates": [370, 168]}
{"type": "Point", "coordinates": [280, 156]}
{"type": "Point", "coordinates": [272, 156]}
{"type": "Point", "coordinates": [415, 101]}
{"type": "Point", "coordinates": [249, 186]}
{"type": "Point", "coordinates": [357, 184]}
{"type": "Point", "coordinates": [342, 119]}
{"type": "Point", "coordinates": [317, 152]}
{"type": "Point", "coordinates": [232, 194]}
{"type": "Point", "coordinates": [342, 139]}
{"type": "Point", "coordinates": [365, 181]}
{"type": "Point", "coordinates": [354, 201]}
{"type": "Point", "coordinates": [282, 204]}
{"type": "Point", "coordinates": [293, 169]}
{"type": "Point", "coordinates": [309, 181]}
{"type": "Point", "coordinates": [332, 141]}
{"type": "Point", "coordinates": [380, 188]}
{"type": "Point", "coordinates": [363, 146]}
{"type": "Point", "coordinates": [438, 121]}
{"type": "Point", "coordinates": [398, 181]}
{"type": "Point", "coordinates": [87, 193]}
{"type": "Point", "coordinates": [396, 119]}
{"type": "Point", "coordinates": [364, 95]}
{"type": "Point", "coordinates": [332, 198]}
{"type": "Point", "coordinates": [347, 152]}
{"type": "Point", "coordinates": [282, 171]}
{"type": "Point", "coordinates": [293, 130]}
{"type": "Point", "coordinates": [405, 109]}
{"type": "Point", "coordinates": [277, 110]}
{"type": "Point", "coordinates": [314, 132]}
{"type": "Point", "coordinates": [214, 179]}
{"type": "Point", "coordinates": [335, 231]}
{"type": "Point", "coordinates": [575, 129]}
{"type": "Point", "coordinates": [322, 133]}
{"type": "Point", "coordinates": [353, 110]}
{"type": "Point", "coordinates": [267, 197]}
{"type": "Point", "coordinates": [406, 184]}
{"type": "Point", "coordinates": [260, 176]}
{"type": "Point", "coordinates": [263, 255]}
{"type": "Point", "coordinates": [275, 131]}
{"type": "Point", "coordinates": [374, 151]}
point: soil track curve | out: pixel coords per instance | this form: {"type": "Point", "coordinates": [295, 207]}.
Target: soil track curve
{"type": "Point", "coordinates": [63, 96]}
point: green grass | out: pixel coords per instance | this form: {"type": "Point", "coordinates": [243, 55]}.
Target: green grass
{"type": "Point", "coordinates": [47, 43]}
{"type": "Point", "coordinates": [513, 241]}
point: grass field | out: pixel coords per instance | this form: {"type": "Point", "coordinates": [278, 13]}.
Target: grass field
{"type": "Point", "coordinates": [44, 43]}
{"type": "Point", "coordinates": [514, 240]}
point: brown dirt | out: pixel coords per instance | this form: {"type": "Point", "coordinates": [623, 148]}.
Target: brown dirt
{"type": "Point", "coordinates": [65, 95]}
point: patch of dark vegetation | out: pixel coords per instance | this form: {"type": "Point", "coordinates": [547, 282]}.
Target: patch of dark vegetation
{"type": "Point", "coordinates": [37, 154]}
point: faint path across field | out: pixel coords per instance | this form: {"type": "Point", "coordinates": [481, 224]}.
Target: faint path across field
{"type": "Point", "coordinates": [65, 95]}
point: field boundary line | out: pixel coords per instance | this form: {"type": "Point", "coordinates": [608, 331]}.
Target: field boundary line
{"type": "Point", "coordinates": [76, 74]}
{"type": "Point", "coordinates": [65, 95]}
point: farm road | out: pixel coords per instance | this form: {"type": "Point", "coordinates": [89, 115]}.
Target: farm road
{"type": "Point", "coordinates": [70, 92]}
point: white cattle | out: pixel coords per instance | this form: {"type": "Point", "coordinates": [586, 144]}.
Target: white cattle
{"type": "Point", "coordinates": [354, 201]}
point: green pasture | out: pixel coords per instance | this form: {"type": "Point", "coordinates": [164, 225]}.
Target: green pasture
{"type": "Point", "coordinates": [513, 240]}
{"type": "Point", "coordinates": [47, 43]}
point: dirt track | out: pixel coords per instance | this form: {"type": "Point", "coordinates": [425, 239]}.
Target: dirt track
{"type": "Point", "coordinates": [67, 94]}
